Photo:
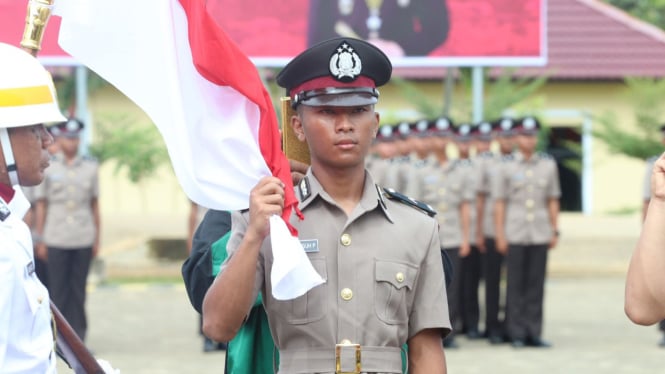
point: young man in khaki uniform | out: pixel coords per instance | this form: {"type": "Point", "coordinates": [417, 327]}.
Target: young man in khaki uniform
{"type": "Point", "coordinates": [526, 194]}
{"type": "Point", "coordinates": [68, 222]}
{"type": "Point", "coordinates": [378, 254]}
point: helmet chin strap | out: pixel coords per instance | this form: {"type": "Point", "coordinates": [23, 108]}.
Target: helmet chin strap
{"type": "Point", "coordinates": [9, 156]}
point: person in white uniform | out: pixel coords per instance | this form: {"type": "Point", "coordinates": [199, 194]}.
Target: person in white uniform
{"type": "Point", "coordinates": [27, 101]}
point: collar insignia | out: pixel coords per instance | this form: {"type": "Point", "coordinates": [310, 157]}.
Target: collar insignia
{"type": "Point", "coordinates": [345, 65]}
{"type": "Point", "coordinates": [305, 191]}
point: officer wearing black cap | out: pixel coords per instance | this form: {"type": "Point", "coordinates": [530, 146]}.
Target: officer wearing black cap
{"type": "Point", "coordinates": [68, 222]}
{"type": "Point", "coordinates": [526, 193]}
{"type": "Point", "coordinates": [396, 176]}
{"type": "Point", "coordinates": [377, 295]}
{"type": "Point", "coordinates": [383, 150]}
{"type": "Point", "coordinates": [646, 198]}
{"type": "Point", "coordinates": [490, 163]}
{"type": "Point", "coordinates": [470, 261]}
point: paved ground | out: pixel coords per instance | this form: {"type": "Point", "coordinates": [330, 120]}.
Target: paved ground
{"type": "Point", "coordinates": [151, 328]}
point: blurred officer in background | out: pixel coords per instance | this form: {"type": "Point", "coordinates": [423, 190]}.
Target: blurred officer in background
{"type": "Point", "coordinates": [68, 222]}
{"type": "Point", "coordinates": [526, 193]}
{"type": "Point", "coordinates": [443, 188]}
{"type": "Point", "coordinates": [382, 152]}
{"type": "Point", "coordinates": [27, 101]}
{"type": "Point", "coordinates": [489, 164]}
{"type": "Point", "coordinates": [395, 176]}
{"type": "Point", "coordinates": [470, 263]}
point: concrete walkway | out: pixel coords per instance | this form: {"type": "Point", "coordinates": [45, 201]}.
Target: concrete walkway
{"type": "Point", "coordinates": [151, 328]}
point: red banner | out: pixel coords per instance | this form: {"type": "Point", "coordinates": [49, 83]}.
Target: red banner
{"type": "Point", "coordinates": [411, 32]}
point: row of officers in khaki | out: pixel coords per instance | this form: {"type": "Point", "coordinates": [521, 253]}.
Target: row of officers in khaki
{"type": "Point", "coordinates": [497, 205]}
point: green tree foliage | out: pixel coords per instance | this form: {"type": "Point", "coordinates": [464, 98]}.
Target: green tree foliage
{"type": "Point", "coordinates": [138, 149]}
{"type": "Point", "coordinates": [652, 11]}
{"type": "Point", "coordinates": [646, 96]}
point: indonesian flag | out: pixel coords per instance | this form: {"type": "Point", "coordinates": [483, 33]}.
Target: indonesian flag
{"type": "Point", "coordinates": [204, 95]}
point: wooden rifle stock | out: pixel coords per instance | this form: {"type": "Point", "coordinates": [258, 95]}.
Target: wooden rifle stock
{"type": "Point", "coordinates": [72, 348]}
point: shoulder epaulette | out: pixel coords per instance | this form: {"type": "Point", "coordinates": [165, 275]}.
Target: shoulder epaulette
{"type": "Point", "coordinates": [487, 154]}
{"type": "Point", "coordinates": [463, 162]}
{"type": "Point", "coordinates": [396, 196]}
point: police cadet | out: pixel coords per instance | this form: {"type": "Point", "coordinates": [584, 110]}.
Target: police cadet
{"type": "Point", "coordinates": [470, 263]}
{"type": "Point", "coordinates": [68, 222]}
{"type": "Point", "coordinates": [420, 157]}
{"type": "Point", "coordinates": [443, 188]}
{"type": "Point", "coordinates": [27, 101]}
{"type": "Point", "coordinates": [377, 250]}
{"type": "Point", "coordinates": [526, 193]}
{"type": "Point", "coordinates": [646, 198]}
{"type": "Point", "coordinates": [383, 150]}
{"type": "Point", "coordinates": [489, 163]}
{"type": "Point", "coordinates": [396, 176]}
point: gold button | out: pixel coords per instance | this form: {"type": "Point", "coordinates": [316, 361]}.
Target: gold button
{"type": "Point", "coordinates": [71, 188]}
{"type": "Point", "coordinates": [529, 173]}
{"type": "Point", "coordinates": [40, 299]}
{"type": "Point", "coordinates": [71, 204]}
{"type": "Point", "coordinates": [529, 203]}
{"type": "Point", "coordinates": [346, 240]}
{"type": "Point", "coordinates": [399, 277]}
{"type": "Point", "coordinates": [347, 294]}
{"type": "Point", "coordinates": [71, 174]}
{"type": "Point", "coordinates": [69, 219]}
{"type": "Point", "coordinates": [345, 342]}
{"type": "Point", "coordinates": [442, 191]}
{"type": "Point", "coordinates": [529, 217]}
{"type": "Point", "coordinates": [529, 187]}
{"type": "Point", "coordinates": [442, 207]}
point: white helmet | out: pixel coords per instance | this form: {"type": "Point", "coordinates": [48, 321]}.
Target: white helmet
{"type": "Point", "coordinates": [27, 94]}
{"type": "Point", "coordinates": [27, 97]}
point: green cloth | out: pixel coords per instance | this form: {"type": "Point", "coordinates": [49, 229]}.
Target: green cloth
{"type": "Point", "coordinates": [251, 351]}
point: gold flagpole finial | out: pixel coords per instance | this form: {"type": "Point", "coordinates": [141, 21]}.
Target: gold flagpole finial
{"type": "Point", "coordinates": [37, 16]}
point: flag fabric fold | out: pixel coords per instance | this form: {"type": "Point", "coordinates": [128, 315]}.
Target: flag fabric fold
{"type": "Point", "coordinates": [204, 95]}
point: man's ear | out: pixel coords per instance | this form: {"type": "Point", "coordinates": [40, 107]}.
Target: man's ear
{"type": "Point", "coordinates": [377, 122]}
{"type": "Point", "coordinates": [296, 125]}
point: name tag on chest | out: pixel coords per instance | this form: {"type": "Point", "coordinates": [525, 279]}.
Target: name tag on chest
{"type": "Point", "coordinates": [310, 245]}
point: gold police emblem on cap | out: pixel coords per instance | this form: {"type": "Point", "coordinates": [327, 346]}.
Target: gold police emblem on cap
{"type": "Point", "coordinates": [345, 65]}
{"type": "Point", "coordinates": [506, 124]}
{"type": "Point", "coordinates": [529, 123]}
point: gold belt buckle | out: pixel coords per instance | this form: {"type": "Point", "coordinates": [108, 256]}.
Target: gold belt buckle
{"type": "Point", "coordinates": [338, 363]}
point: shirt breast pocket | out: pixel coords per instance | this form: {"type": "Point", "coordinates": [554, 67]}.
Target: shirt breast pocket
{"type": "Point", "coordinates": [309, 307]}
{"type": "Point", "coordinates": [394, 281]}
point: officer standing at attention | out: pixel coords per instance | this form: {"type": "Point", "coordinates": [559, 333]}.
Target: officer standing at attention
{"type": "Point", "coordinates": [490, 164]}
{"type": "Point", "coordinates": [646, 199]}
{"type": "Point", "coordinates": [526, 194]}
{"type": "Point", "coordinates": [377, 250]}
{"type": "Point", "coordinates": [27, 101]}
{"type": "Point", "coordinates": [443, 188]}
{"type": "Point", "coordinates": [68, 222]}
{"type": "Point", "coordinates": [381, 153]}
{"type": "Point", "coordinates": [470, 263]}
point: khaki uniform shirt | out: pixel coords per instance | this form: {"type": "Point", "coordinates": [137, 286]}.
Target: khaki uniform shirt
{"type": "Point", "coordinates": [471, 171]}
{"type": "Point", "coordinates": [526, 187]}
{"type": "Point", "coordinates": [394, 176]}
{"type": "Point", "coordinates": [413, 177]}
{"type": "Point", "coordinates": [69, 191]}
{"type": "Point", "coordinates": [445, 188]}
{"type": "Point", "coordinates": [384, 281]}
{"type": "Point", "coordinates": [488, 164]}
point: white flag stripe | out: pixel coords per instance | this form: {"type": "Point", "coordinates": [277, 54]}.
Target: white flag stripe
{"type": "Point", "coordinates": [211, 131]}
